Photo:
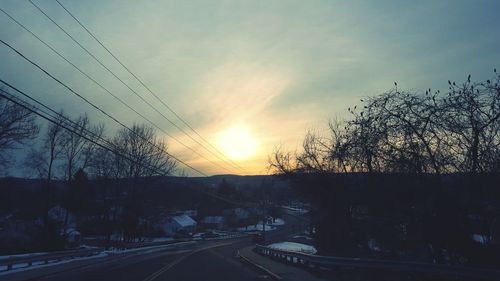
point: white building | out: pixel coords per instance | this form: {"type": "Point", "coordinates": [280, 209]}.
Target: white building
{"type": "Point", "coordinates": [179, 224]}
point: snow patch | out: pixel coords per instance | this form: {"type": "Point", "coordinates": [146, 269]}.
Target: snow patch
{"type": "Point", "coordinates": [294, 247]}
{"type": "Point", "coordinates": [22, 255]}
{"type": "Point", "coordinates": [257, 227]}
{"type": "Point", "coordinates": [40, 264]}
{"type": "Point", "coordinates": [302, 237]}
{"type": "Point", "coordinates": [276, 222]}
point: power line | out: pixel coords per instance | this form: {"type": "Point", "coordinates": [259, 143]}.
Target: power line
{"type": "Point", "coordinates": [100, 110]}
{"type": "Point", "coordinates": [145, 86]}
{"type": "Point", "coordinates": [121, 81]}
{"type": "Point", "coordinates": [54, 119]}
{"type": "Point", "coordinates": [95, 106]}
{"type": "Point", "coordinates": [59, 114]}
{"type": "Point", "coordinates": [106, 90]}
{"type": "Point", "coordinates": [48, 117]}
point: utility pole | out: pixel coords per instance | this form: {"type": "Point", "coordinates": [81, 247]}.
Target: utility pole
{"type": "Point", "coordinates": [264, 211]}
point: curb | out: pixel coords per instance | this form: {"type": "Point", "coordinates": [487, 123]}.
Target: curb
{"type": "Point", "coordinates": [260, 267]}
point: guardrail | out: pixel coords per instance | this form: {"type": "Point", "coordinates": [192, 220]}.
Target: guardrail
{"type": "Point", "coordinates": [28, 260]}
{"type": "Point", "coordinates": [132, 245]}
{"type": "Point", "coordinates": [319, 262]}
{"type": "Point", "coordinates": [48, 257]}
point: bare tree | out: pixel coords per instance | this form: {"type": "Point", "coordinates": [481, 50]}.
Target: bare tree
{"type": "Point", "coordinates": [43, 159]}
{"type": "Point", "coordinates": [408, 132]}
{"type": "Point", "coordinates": [17, 124]}
{"type": "Point", "coordinates": [366, 133]}
{"type": "Point", "coordinates": [281, 162]}
{"type": "Point", "coordinates": [340, 146]}
{"type": "Point", "coordinates": [472, 117]}
{"type": "Point", "coordinates": [79, 144]}
{"type": "Point", "coordinates": [102, 164]}
{"type": "Point", "coordinates": [409, 129]}
{"type": "Point", "coordinates": [146, 149]}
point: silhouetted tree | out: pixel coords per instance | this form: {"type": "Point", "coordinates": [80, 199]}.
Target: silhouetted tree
{"type": "Point", "coordinates": [78, 149]}
{"type": "Point", "coordinates": [17, 125]}
{"type": "Point", "coordinates": [76, 197]}
{"type": "Point", "coordinates": [471, 115]}
{"type": "Point", "coordinates": [43, 159]}
{"type": "Point", "coordinates": [421, 135]}
{"type": "Point", "coordinates": [146, 149]}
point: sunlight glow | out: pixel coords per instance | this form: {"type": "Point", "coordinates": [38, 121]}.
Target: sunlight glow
{"type": "Point", "coordinates": [237, 143]}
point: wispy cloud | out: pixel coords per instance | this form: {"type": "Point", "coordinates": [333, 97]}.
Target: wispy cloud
{"type": "Point", "coordinates": [274, 67]}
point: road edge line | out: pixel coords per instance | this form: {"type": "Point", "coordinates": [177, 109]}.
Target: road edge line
{"type": "Point", "coordinates": [260, 267]}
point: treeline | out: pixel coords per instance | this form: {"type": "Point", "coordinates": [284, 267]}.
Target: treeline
{"type": "Point", "coordinates": [411, 175]}
{"type": "Point", "coordinates": [408, 132]}
{"type": "Point", "coordinates": [60, 148]}
{"type": "Point", "coordinates": [66, 154]}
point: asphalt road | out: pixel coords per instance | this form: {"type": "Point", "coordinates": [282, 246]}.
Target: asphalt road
{"type": "Point", "coordinates": [204, 260]}
{"type": "Point", "coordinates": [207, 261]}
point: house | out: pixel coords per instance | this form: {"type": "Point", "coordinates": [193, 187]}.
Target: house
{"type": "Point", "coordinates": [61, 215]}
{"type": "Point", "coordinates": [179, 224]}
{"type": "Point", "coordinates": [214, 222]}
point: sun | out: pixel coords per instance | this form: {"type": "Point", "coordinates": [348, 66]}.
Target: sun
{"type": "Point", "coordinates": [237, 143]}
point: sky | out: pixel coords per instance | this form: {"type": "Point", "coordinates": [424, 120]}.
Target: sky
{"type": "Point", "coordinates": [246, 75]}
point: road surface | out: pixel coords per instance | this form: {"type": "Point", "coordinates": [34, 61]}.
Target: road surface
{"type": "Point", "coordinates": [208, 261]}
{"type": "Point", "coordinates": [202, 260]}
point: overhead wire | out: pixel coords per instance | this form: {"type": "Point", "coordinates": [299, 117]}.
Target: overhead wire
{"type": "Point", "coordinates": [51, 118]}
{"type": "Point", "coordinates": [119, 79]}
{"type": "Point", "coordinates": [88, 102]}
{"type": "Point", "coordinates": [95, 106]}
{"type": "Point", "coordinates": [146, 87]}
{"type": "Point", "coordinates": [71, 128]}
{"type": "Point", "coordinates": [108, 91]}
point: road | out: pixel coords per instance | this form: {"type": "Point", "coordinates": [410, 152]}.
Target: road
{"type": "Point", "coordinates": [207, 261]}
{"type": "Point", "coordinates": [203, 260]}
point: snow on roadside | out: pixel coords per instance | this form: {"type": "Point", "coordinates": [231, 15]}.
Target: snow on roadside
{"type": "Point", "coordinates": [22, 255]}
{"type": "Point", "coordinates": [258, 227]}
{"type": "Point", "coordinates": [161, 239]}
{"type": "Point", "coordinates": [302, 237]}
{"type": "Point", "coordinates": [40, 264]}
{"type": "Point", "coordinates": [294, 247]}
{"type": "Point", "coordinates": [295, 209]}
{"type": "Point", "coordinates": [270, 225]}
{"type": "Point", "coordinates": [276, 222]}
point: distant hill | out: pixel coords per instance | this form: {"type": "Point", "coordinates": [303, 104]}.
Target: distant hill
{"type": "Point", "coordinates": [212, 181]}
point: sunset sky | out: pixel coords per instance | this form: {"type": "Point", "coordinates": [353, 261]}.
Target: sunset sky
{"type": "Point", "coordinates": [247, 75]}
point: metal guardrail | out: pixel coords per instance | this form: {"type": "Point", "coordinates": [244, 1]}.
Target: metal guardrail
{"type": "Point", "coordinates": [318, 262]}
{"type": "Point", "coordinates": [48, 257]}
{"type": "Point", "coordinates": [133, 245]}
{"type": "Point", "coordinates": [64, 255]}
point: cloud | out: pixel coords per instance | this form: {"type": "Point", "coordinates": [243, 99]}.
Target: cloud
{"type": "Point", "coordinates": [274, 67]}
